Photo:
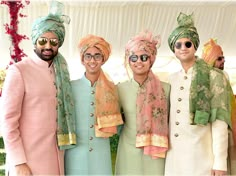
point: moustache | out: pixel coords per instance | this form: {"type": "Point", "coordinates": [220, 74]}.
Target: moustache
{"type": "Point", "coordinates": [47, 50]}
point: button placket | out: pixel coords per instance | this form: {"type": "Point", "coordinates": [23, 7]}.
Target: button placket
{"type": "Point", "coordinates": [91, 122]}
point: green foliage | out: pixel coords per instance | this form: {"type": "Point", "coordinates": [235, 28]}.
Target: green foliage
{"type": "Point", "coordinates": [2, 157]}
{"type": "Point", "coordinates": [1, 143]}
{"type": "Point", "coordinates": [2, 172]}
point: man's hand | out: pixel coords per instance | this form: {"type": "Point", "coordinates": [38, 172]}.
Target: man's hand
{"type": "Point", "coordinates": [218, 173]}
{"type": "Point", "coordinates": [23, 170]}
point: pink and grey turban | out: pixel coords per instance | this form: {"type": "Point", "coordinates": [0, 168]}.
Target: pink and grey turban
{"type": "Point", "coordinates": [143, 41]}
{"type": "Point", "coordinates": [95, 41]}
{"type": "Point", "coordinates": [211, 51]}
{"type": "Point", "coordinates": [185, 29]}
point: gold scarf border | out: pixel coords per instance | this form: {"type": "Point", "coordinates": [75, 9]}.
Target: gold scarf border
{"type": "Point", "coordinates": [66, 139]}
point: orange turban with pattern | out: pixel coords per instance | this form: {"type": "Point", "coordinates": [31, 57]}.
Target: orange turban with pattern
{"type": "Point", "coordinates": [95, 41]}
{"type": "Point", "coordinates": [211, 51]}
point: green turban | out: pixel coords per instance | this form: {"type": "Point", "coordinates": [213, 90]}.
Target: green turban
{"type": "Point", "coordinates": [185, 29]}
{"type": "Point", "coordinates": [53, 22]}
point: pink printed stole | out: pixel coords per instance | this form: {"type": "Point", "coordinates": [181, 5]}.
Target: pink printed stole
{"type": "Point", "coordinates": [152, 118]}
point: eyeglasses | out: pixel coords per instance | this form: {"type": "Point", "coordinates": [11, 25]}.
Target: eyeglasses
{"type": "Point", "coordinates": [43, 41]}
{"type": "Point", "coordinates": [220, 58]}
{"type": "Point", "coordinates": [178, 45]}
{"type": "Point", "coordinates": [97, 57]}
{"type": "Point", "coordinates": [143, 58]}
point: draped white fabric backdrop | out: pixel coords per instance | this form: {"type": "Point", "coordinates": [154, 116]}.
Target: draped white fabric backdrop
{"type": "Point", "coordinates": [118, 21]}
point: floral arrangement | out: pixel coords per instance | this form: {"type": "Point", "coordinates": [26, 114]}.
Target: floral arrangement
{"type": "Point", "coordinates": [11, 29]}
{"type": "Point", "coordinates": [2, 78]}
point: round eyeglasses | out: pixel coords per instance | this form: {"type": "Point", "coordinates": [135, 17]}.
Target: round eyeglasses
{"type": "Point", "coordinates": [96, 57]}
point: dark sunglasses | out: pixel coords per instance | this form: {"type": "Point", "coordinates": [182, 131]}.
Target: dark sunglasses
{"type": "Point", "coordinates": [187, 44]}
{"type": "Point", "coordinates": [143, 58]}
{"type": "Point", "coordinates": [43, 41]}
{"type": "Point", "coordinates": [220, 58]}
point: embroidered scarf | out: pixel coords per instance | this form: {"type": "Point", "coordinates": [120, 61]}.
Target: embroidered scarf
{"type": "Point", "coordinates": [209, 95]}
{"type": "Point", "coordinates": [65, 105]}
{"type": "Point", "coordinates": [152, 118]}
{"type": "Point", "coordinates": [107, 111]}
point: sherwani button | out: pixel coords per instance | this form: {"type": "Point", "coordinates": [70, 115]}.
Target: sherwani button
{"type": "Point", "coordinates": [92, 103]}
{"type": "Point", "coordinates": [178, 111]}
{"type": "Point", "coordinates": [176, 134]}
{"type": "Point", "coordinates": [91, 126]}
{"type": "Point", "coordinates": [185, 77]}
{"type": "Point", "coordinates": [91, 114]}
{"type": "Point", "coordinates": [91, 149]}
{"type": "Point", "coordinates": [177, 123]}
{"type": "Point", "coordinates": [91, 138]}
{"type": "Point", "coordinates": [179, 99]}
{"type": "Point", "coordinates": [181, 88]}
{"type": "Point", "coordinates": [92, 92]}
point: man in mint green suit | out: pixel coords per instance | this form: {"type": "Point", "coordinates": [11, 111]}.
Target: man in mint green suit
{"type": "Point", "coordinates": [97, 112]}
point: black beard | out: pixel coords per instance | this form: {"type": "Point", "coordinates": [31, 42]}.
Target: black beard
{"type": "Point", "coordinates": [41, 56]}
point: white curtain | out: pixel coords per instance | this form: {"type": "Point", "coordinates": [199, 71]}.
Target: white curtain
{"type": "Point", "coordinates": [118, 21]}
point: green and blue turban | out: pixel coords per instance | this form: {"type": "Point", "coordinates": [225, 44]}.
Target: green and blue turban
{"type": "Point", "coordinates": [53, 22]}
{"type": "Point", "coordinates": [185, 29]}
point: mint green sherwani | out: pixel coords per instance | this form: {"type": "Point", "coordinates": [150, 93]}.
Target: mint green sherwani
{"type": "Point", "coordinates": [92, 155]}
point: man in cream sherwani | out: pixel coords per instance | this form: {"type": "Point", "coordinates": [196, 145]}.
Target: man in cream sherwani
{"type": "Point", "coordinates": [34, 107]}
{"type": "Point", "coordinates": [200, 110]}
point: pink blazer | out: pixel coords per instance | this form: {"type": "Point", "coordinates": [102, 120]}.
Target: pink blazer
{"type": "Point", "coordinates": [29, 118]}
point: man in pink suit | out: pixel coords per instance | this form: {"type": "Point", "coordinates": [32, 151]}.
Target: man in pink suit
{"type": "Point", "coordinates": [37, 106]}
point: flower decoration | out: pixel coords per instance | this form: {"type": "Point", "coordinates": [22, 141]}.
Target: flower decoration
{"type": "Point", "coordinates": [11, 29]}
{"type": "Point", "coordinates": [2, 78]}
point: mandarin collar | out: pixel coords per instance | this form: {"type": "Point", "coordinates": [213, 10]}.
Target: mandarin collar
{"type": "Point", "coordinates": [134, 82]}
{"type": "Point", "coordinates": [88, 82]}
{"type": "Point", "coordinates": [189, 72]}
{"type": "Point", "coordinates": [40, 62]}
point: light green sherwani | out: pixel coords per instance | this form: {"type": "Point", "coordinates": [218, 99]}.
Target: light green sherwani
{"type": "Point", "coordinates": [131, 160]}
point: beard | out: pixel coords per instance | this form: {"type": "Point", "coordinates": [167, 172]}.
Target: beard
{"type": "Point", "coordinates": [46, 57]}
{"type": "Point", "coordinates": [221, 67]}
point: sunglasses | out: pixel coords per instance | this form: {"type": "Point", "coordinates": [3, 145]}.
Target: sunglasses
{"type": "Point", "coordinates": [178, 45]}
{"type": "Point", "coordinates": [143, 58]}
{"type": "Point", "coordinates": [220, 58]}
{"type": "Point", "coordinates": [96, 57]}
{"type": "Point", "coordinates": [43, 41]}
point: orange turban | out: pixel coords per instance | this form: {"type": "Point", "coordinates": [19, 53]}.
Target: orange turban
{"type": "Point", "coordinates": [95, 41]}
{"type": "Point", "coordinates": [211, 51]}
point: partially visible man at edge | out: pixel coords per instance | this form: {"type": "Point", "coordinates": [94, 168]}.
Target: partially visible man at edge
{"type": "Point", "coordinates": [213, 56]}
{"type": "Point", "coordinates": [37, 106]}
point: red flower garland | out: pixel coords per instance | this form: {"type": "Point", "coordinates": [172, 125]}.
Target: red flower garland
{"type": "Point", "coordinates": [14, 7]}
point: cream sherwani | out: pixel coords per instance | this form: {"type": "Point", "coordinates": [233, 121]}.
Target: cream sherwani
{"type": "Point", "coordinates": [194, 150]}
{"type": "Point", "coordinates": [29, 117]}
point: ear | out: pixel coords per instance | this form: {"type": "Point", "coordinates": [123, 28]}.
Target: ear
{"type": "Point", "coordinates": [82, 61]}
{"type": "Point", "coordinates": [103, 61]}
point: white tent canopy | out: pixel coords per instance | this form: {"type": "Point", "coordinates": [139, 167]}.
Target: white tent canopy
{"type": "Point", "coordinates": [118, 21]}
